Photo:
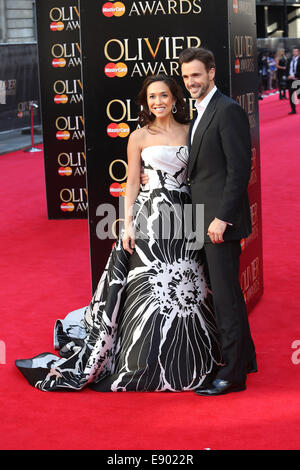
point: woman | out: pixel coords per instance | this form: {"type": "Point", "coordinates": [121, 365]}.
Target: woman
{"type": "Point", "coordinates": [150, 325]}
{"type": "Point", "coordinates": [263, 73]}
{"type": "Point", "coordinates": [281, 63]}
{"type": "Point", "coordinates": [271, 70]}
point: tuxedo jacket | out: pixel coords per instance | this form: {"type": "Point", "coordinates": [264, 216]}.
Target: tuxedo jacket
{"type": "Point", "coordinates": [219, 167]}
{"type": "Point", "coordinates": [297, 73]}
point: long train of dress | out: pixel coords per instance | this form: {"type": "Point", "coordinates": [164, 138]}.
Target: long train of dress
{"type": "Point", "coordinates": [150, 324]}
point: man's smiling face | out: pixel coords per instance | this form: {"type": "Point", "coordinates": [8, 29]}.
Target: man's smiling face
{"type": "Point", "coordinates": [197, 80]}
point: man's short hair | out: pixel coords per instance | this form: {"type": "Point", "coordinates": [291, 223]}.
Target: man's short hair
{"type": "Point", "coordinates": [198, 53]}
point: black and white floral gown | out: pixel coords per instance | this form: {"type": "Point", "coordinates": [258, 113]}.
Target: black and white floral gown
{"type": "Point", "coordinates": [150, 325]}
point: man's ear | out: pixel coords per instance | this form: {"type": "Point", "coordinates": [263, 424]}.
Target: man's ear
{"type": "Point", "coordinates": [212, 73]}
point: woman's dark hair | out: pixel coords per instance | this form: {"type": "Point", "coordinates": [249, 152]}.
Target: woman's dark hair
{"type": "Point", "coordinates": [198, 53]}
{"type": "Point", "coordinates": [181, 114]}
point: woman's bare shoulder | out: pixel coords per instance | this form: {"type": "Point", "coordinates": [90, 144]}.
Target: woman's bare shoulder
{"type": "Point", "coordinates": [139, 134]}
{"type": "Point", "coordinates": [136, 142]}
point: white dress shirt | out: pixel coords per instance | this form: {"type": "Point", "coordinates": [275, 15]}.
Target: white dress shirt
{"type": "Point", "coordinates": [201, 107]}
{"type": "Point", "coordinates": [293, 66]}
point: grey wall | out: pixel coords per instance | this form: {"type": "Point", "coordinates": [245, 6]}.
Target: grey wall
{"type": "Point", "coordinates": [17, 21]}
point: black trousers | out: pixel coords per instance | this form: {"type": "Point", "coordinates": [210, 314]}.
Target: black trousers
{"type": "Point", "coordinates": [223, 261]}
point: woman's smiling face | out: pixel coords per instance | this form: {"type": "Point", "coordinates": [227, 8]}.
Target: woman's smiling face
{"type": "Point", "coordinates": [160, 99]}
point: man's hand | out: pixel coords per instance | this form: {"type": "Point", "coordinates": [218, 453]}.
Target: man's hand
{"type": "Point", "coordinates": [216, 230]}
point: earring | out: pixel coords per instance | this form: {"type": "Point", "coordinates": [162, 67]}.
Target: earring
{"type": "Point", "coordinates": [174, 109]}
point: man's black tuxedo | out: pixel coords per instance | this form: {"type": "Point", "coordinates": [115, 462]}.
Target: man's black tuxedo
{"type": "Point", "coordinates": [290, 82]}
{"type": "Point", "coordinates": [218, 174]}
{"type": "Point", "coordinates": [297, 72]}
{"type": "Point", "coordinates": [220, 165]}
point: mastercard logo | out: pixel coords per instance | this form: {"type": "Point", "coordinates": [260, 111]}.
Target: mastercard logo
{"type": "Point", "coordinates": [67, 206]}
{"type": "Point", "coordinates": [110, 9]}
{"type": "Point", "coordinates": [61, 99]}
{"type": "Point", "coordinates": [59, 62]}
{"type": "Point", "coordinates": [117, 189]}
{"type": "Point", "coordinates": [118, 130]}
{"type": "Point", "coordinates": [57, 26]}
{"type": "Point", "coordinates": [63, 135]}
{"type": "Point", "coordinates": [237, 66]}
{"type": "Point", "coordinates": [235, 6]}
{"type": "Point", "coordinates": [65, 171]}
{"type": "Point", "coordinates": [116, 70]}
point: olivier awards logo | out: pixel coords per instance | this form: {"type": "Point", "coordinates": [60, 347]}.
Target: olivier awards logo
{"type": "Point", "coordinates": [254, 220]}
{"type": "Point", "coordinates": [24, 109]}
{"type": "Point", "coordinates": [10, 86]}
{"type": "Point", "coordinates": [250, 279]}
{"type": "Point", "coordinates": [7, 88]}
{"type": "Point", "coordinates": [69, 128]}
{"type": "Point", "coordinates": [64, 18]}
{"type": "Point", "coordinates": [152, 8]}
{"type": "Point", "coordinates": [68, 91]}
{"type": "Point", "coordinates": [112, 220]}
{"type": "Point", "coordinates": [71, 164]}
{"type": "Point", "coordinates": [146, 56]}
{"type": "Point", "coordinates": [255, 227]}
{"type": "Point", "coordinates": [73, 199]}
{"type": "Point", "coordinates": [118, 111]}
{"type": "Point", "coordinates": [66, 55]}
{"type": "Point", "coordinates": [247, 102]}
{"type": "Point", "coordinates": [118, 171]}
{"type": "Point", "coordinates": [117, 189]}
{"type": "Point", "coordinates": [253, 176]}
{"type": "Point", "coordinates": [244, 54]}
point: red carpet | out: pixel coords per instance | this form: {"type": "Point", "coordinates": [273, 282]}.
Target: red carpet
{"type": "Point", "coordinates": [46, 273]}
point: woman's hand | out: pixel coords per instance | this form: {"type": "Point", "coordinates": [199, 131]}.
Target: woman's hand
{"type": "Point", "coordinates": [53, 372]}
{"type": "Point", "coordinates": [144, 178]}
{"type": "Point", "coordinates": [128, 239]}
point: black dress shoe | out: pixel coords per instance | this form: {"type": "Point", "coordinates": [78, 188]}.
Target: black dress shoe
{"type": "Point", "coordinates": [220, 387]}
{"type": "Point", "coordinates": [292, 112]}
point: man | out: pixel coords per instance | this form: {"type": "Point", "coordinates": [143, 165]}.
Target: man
{"type": "Point", "coordinates": [293, 73]}
{"type": "Point", "coordinates": [218, 174]}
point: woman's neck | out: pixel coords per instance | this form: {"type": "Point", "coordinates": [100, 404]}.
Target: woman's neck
{"type": "Point", "coordinates": [165, 124]}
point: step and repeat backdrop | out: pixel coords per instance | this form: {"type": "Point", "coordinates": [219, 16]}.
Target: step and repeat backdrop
{"type": "Point", "coordinates": [120, 44]}
{"type": "Point", "coordinates": [59, 50]}
{"type": "Point", "coordinates": [244, 89]}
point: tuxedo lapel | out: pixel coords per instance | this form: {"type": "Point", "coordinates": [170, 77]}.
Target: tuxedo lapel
{"type": "Point", "coordinates": [200, 131]}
